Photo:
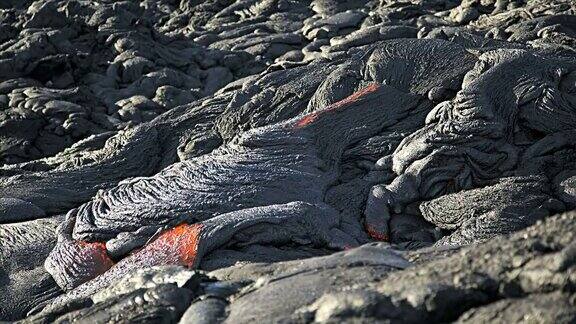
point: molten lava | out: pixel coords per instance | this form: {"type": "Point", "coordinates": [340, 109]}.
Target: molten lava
{"type": "Point", "coordinates": [178, 245]}
{"type": "Point", "coordinates": [375, 234]}
{"type": "Point", "coordinates": [94, 253]}
{"type": "Point", "coordinates": [311, 117]}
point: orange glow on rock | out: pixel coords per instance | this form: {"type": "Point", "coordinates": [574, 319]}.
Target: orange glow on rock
{"type": "Point", "coordinates": [181, 242]}
{"type": "Point", "coordinates": [175, 246]}
{"type": "Point", "coordinates": [311, 117]}
{"type": "Point", "coordinates": [375, 234]}
{"type": "Point", "coordinates": [359, 94]}
{"type": "Point", "coordinates": [308, 119]}
{"type": "Point", "coordinates": [97, 255]}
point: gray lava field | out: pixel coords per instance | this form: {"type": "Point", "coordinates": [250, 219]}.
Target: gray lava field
{"type": "Point", "coordinates": [288, 161]}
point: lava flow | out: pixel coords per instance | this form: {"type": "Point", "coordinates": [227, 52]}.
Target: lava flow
{"type": "Point", "coordinates": [311, 117]}
{"type": "Point", "coordinates": [175, 246]}
{"type": "Point", "coordinates": [375, 234]}
{"type": "Point", "coordinates": [97, 254]}
{"type": "Point", "coordinates": [178, 245]}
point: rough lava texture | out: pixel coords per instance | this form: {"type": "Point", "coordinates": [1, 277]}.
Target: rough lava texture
{"type": "Point", "coordinates": [241, 161]}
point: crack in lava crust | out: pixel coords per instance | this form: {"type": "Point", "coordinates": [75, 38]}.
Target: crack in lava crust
{"type": "Point", "coordinates": [310, 118]}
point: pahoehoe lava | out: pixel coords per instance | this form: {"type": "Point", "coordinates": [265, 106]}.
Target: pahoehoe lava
{"type": "Point", "coordinates": [241, 161]}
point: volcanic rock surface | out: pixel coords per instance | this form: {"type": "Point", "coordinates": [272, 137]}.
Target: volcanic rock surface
{"type": "Point", "coordinates": [253, 161]}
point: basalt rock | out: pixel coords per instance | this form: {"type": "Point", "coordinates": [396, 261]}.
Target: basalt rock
{"type": "Point", "coordinates": [234, 161]}
{"type": "Point", "coordinates": [24, 281]}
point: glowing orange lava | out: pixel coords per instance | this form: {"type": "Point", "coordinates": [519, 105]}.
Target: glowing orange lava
{"type": "Point", "coordinates": [308, 119]}
{"type": "Point", "coordinates": [177, 246]}
{"type": "Point", "coordinates": [311, 117]}
{"type": "Point", "coordinates": [96, 253]}
{"type": "Point", "coordinates": [375, 234]}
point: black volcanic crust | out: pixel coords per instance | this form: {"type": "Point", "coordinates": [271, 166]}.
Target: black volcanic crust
{"type": "Point", "coordinates": [288, 161]}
